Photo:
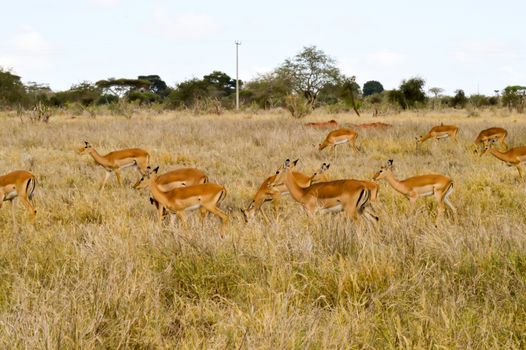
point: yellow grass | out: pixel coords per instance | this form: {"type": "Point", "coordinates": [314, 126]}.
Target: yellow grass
{"type": "Point", "coordinates": [98, 272]}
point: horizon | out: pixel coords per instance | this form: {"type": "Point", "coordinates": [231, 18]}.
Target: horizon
{"type": "Point", "coordinates": [387, 42]}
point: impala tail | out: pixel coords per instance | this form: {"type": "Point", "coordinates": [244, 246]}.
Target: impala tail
{"type": "Point", "coordinates": [31, 184]}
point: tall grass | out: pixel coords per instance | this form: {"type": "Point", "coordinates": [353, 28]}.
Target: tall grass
{"type": "Point", "coordinates": [96, 271]}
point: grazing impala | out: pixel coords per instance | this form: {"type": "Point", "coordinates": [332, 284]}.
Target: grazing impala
{"type": "Point", "coordinates": [204, 197]}
{"type": "Point", "coordinates": [437, 185]}
{"type": "Point", "coordinates": [514, 157]}
{"type": "Point", "coordinates": [20, 184]}
{"type": "Point", "coordinates": [117, 160]}
{"type": "Point", "coordinates": [338, 137]}
{"type": "Point", "coordinates": [439, 132]}
{"type": "Point", "coordinates": [265, 193]}
{"type": "Point", "coordinates": [349, 196]}
{"type": "Point", "coordinates": [331, 123]}
{"type": "Point", "coordinates": [491, 135]}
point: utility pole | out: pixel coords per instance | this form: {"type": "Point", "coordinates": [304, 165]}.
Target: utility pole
{"type": "Point", "coordinates": [237, 74]}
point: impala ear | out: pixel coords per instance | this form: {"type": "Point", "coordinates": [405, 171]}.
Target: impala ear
{"type": "Point", "coordinates": [86, 144]}
{"type": "Point", "coordinates": [287, 163]}
{"type": "Point", "coordinates": [295, 162]}
{"type": "Point", "coordinates": [327, 166]}
{"type": "Point", "coordinates": [389, 163]}
{"type": "Point", "coordinates": [156, 169]}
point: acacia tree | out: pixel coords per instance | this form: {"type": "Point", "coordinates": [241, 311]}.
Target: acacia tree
{"type": "Point", "coordinates": [435, 91]}
{"type": "Point", "coordinates": [308, 72]}
{"type": "Point", "coordinates": [372, 87]}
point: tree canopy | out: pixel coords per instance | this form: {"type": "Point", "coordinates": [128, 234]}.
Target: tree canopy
{"type": "Point", "coordinates": [372, 87]}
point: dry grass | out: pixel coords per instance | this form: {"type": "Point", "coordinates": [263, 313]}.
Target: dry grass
{"type": "Point", "coordinates": [97, 272]}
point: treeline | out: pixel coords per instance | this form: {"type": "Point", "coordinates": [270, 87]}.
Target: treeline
{"type": "Point", "coordinates": [300, 84]}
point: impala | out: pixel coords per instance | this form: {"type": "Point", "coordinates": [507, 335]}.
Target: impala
{"type": "Point", "coordinates": [514, 157]}
{"type": "Point", "coordinates": [491, 135]}
{"type": "Point", "coordinates": [439, 132]}
{"type": "Point", "coordinates": [436, 185]}
{"type": "Point", "coordinates": [338, 137]}
{"type": "Point", "coordinates": [117, 160]}
{"type": "Point", "coordinates": [183, 177]}
{"type": "Point", "coordinates": [349, 196]}
{"type": "Point", "coordinates": [204, 197]}
{"type": "Point", "coordinates": [20, 184]}
{"type": "Point", "coordinates": [265, 193]}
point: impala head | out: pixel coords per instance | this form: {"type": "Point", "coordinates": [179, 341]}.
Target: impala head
{"type": "Point", "coordinates": [384, 170]}
{"type": "Point", "coordinates": [86, 148]}
{"type": "Point", "coordinates": [281, 172]}
{"type": "Point", "coordinates": [249, 212]}
{"type": "Point", "coordinates": [324, 167]}
{"type": "Point", "coordinates": [143, 182]}
{"type": "Point", "coordinates": [487, 147]}
{"type": "Point", "coordinates": [419, 139]}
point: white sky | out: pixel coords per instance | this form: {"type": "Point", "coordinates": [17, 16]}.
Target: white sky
{"type": "Point", "coordinates": [452, 44]}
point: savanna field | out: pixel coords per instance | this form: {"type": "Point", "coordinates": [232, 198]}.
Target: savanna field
{"type": "Point", "coordinates": [97, 271]}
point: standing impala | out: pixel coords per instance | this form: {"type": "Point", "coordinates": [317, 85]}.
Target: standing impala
{"type": "Point", "coordinates": [436, 185]}
{"type": "Point", "coordinates": [183, 177]}
{"type": "Point", "coordinates": [265, 193]}
{"type": "Point", "coordinates": [338, 137]}
{"type": "Point", "coordinates": [439, 132]}
{"type": "Point", "coordinates": [514, 157]}
{"type": "Point", "coordinates": [349, 196]}
{"type": "Point", "coordinates": [20, 184]}
{"type": "Point", "coordinates": [117, 160]}
{"type": "Point", "coordinates": [204, 197]}
{"type": "Point", "coordinates": [491, 135]}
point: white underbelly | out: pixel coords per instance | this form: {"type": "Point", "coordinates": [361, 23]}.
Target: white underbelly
{"type": "Point", "coordinates": [443, 136]}
{"type": "Point", "coordinates": [427, 193]}
{"type": "Point", "coordinates": [193, 207]}
{"type": "Point", "coordinates": [128, 165]}
{"type": "Point", "coordinates": [339, 142]}
{"type": "Point", "coordinates": [333, 209]}
{"type": "Point", "coordinates": [285, 193]}
{"type": "Point", "coordinates": [10, 195]}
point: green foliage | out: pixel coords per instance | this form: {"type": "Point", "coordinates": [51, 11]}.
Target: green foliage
{"type": "Point", "coordinates": [12, 91]}
{"type": "Point", "coordinates": [186, 93]}
{"type": "Point", "coordinates": [84, 93]}
{"type": "Point", "coordinates": [413, 92]}
{"type": "Point", "coordinates": [219, 84]}
{"type": "Point", "coordinates": [157, 85]}
{"type": "Point", "coordinates": [298, 106]}
{"type": "Point", "coordinates": [459, 100]}
{"type": "Point", "coordinates": [143, 97]}
{"type": "Point", "coordinates": [267, 91]}
{"type": "Point", "coordinates": [309, 72]}
{"type": "Point", "coordinates": [396, 97]}
{"type": "Point", "coordinates": [121, 87]}
{"type": "Point", "coordinates": [372, 87]}
{"type": "Point", "coordinates": [514, 97]}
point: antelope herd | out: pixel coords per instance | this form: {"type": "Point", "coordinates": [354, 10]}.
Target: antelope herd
{"type": "Point", "coordinates": [182, 190]}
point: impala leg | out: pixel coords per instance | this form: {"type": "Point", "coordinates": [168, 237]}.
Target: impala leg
{"type": "Point", "coordinates": [224, 217]}
{"type": "Point", "coordinates": [521, 172]}
{"type": "Point", "coordinates": [439, 196]}
{"type": "Point", "coordinates": [352, 143]}
{"type": "Point", "coordinates": [106, 177]}
{"type": "Point", "coordinates": [412, 202]}
{"type": "Point", "coordinates": [182, 219]}
{"type": "Point", "coordinates": [118, 176]}
{"type": "Point", "coordinates": [13, 213]}
{"type": "Point", "coordinates": [160, 212]}
{"type": "Point", "coordinates": [203, 212]}
{"type": "Point", "coordinates": [25, 201]}
{"type": "Point", "coordinates": [276, 198]}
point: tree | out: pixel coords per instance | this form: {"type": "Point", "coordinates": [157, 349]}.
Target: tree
{"type": "Point", "coordinates": [123, 86]}
{"type": "Point", "coordinates": [84, 93]}
{"type": "Point", "coordinates": [459, 100]}
{"type": "Point", "coordinates": [267, 91]}
{"type": "Point", "coordinates": [514, 97]}
{"type": "Point", "coordinates": [308, 72]}
{"type": "Point", "coordinates": [220, 84]}
{"type": "Point", "coordinates": [12, 91]}
{"type": "Point", "coordinates": [436, 91]}
{"type": "Point", "coordinates": [413, 91]}
{"type": "Point", "coordinates": [186, 93]}
{"type": "Point", "coordinates": [157, 85]}
{"type": "Point", "coordinates": [372, 87]}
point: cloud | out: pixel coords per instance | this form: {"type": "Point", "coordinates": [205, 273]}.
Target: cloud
{"type": "Point", "coordinates": [387, 58]}
{"type": "Point", "coordinates": [183, 27]}
{"type": "Point", "coordinates": [484, 51]}
{"type": "Point", "coordinates": [27, 52]}
{"type": "Point", "coordinates": [29, 41]}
